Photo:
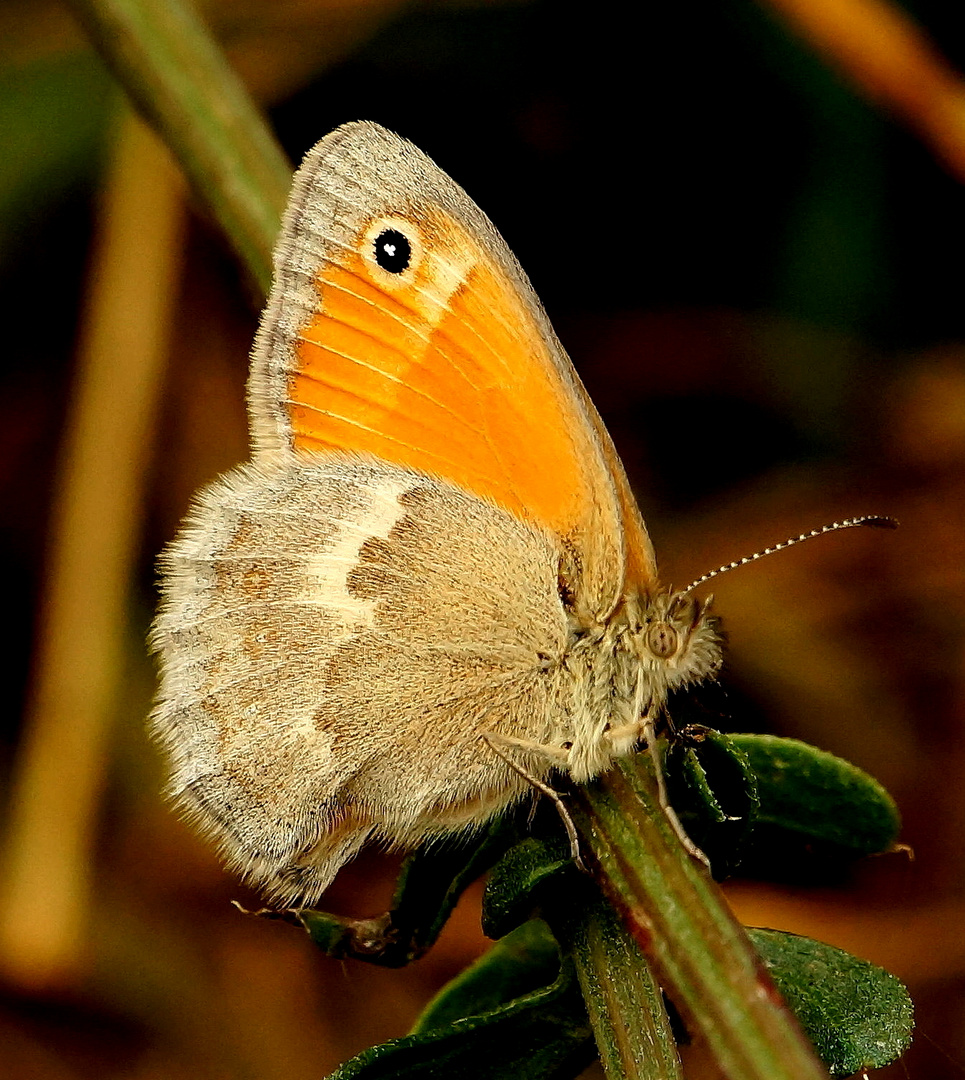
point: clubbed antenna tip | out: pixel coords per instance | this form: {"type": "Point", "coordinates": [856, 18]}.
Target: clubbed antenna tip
{"type": "Point", "coordinates": [871, 521]}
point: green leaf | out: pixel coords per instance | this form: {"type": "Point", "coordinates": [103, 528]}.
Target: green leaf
{"type": "Point", "coordinates": [521, 879]}
{"type": "Point", "coordinates": [777, 808]}
{"type": "Point", "coordinates": [524, 961]}
{"type": "Point", "coordinates": [817, 812]}
{"type": "Point", "coordinates": [434, 877]}
{"type": "Point", "coordinates": [712, 787]}
{"type": "Point", "coordinates": [857, 1015]}
{"type": "Point", "coordinates": [543, 1035]}
{"type": "Point", "coordinates": [432, 880]}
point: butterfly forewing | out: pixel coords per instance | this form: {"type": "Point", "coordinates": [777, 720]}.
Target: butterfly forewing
{"type": "Point", "coordinates": [449, 367]}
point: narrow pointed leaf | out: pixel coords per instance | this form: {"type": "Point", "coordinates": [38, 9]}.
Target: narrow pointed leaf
{"type": "Point", "coordinates": [432, 880]}
{"type": "Point", "coordinates": [523, 962]}
{"type": "Point", "coordinates": [714, 790]}
{"type": "Point", "coordinates": [544, 1035]}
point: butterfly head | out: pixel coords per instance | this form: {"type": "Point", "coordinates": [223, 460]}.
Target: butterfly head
{"type": "Point", "coordinates": [676, 639]}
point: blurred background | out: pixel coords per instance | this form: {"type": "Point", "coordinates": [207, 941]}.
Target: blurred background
{"type": "Point", "coordinates": [751, 241]}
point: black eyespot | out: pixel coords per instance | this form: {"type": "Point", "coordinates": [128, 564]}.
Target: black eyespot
{"type": "Point", "coordinates": [393, 252]}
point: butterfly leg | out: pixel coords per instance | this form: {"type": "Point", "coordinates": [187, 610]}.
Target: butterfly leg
{"type": "Point", "coordinates": [644, 729]}
{"type": "Point", "coordinates": [624, 738]}
{"type": "Point", "coordinates": [545, 789]}
{"type": "Point", "coordinates": [556, 755]}
{"type": "Point", "coordinates": [649, 729]}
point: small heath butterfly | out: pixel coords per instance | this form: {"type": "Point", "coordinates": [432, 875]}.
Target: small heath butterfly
{"type": "Point", "coordinates": [433, 554]}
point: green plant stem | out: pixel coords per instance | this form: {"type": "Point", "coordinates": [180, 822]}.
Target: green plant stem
{"type": "Point", "coordinates": [678, 917]}
{"type": "Point", "coordinates": [623, 1000]}
{"type": "Point", "coordinates": [177, 76]}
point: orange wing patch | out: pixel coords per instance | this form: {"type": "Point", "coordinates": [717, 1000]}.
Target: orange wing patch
{"type": "Point", "coordinates": [446, 373]}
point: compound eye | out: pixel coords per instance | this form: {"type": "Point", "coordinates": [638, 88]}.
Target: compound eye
{"type": "Point", "coordinates": [662, 640]}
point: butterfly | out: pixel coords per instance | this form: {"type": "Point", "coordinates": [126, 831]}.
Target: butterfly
{"type": "Point", "coordinates": [431, 580]}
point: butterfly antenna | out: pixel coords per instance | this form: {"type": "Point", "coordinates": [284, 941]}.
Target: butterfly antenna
{"type": "Point", "coordinates": [869, 520]}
